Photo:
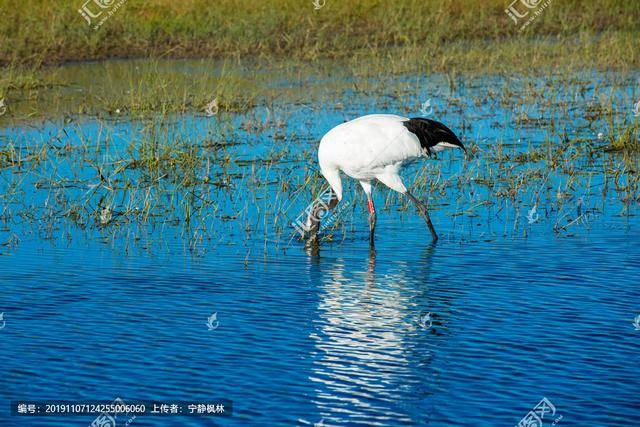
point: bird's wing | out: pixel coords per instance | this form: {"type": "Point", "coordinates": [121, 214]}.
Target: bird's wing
{"type": "Point", "coordinates": [371, 143]}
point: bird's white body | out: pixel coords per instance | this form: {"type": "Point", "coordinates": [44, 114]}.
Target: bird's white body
{"type": "Point", "coordinates": [367, 148]}
{"type": "Point", "coordinates": [376, 147]}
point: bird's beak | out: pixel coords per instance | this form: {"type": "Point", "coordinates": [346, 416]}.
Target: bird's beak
{"type": "Point", "coordinates": [456, 141]}
{"type": "Point", "coordinates": [467, 154]}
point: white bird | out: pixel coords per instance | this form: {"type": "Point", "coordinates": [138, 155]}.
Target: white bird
{"type": "Point", "coordinates": [375, 147]}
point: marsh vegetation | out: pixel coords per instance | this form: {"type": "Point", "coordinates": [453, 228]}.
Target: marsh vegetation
{"type": "Point", "coordinates": [150, 172]}
{"type": "Point", "coordinates": [552, 155]}
{"type": "Point", "coordinates": [126, 145]}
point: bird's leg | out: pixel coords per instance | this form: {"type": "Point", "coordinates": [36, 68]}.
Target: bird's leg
{"type": "Point", "coordinates": [318, 210]}
{"type": "Point", "coordinates": [425, 213]}
{"type": "Point", "coordinates": [372, 219]}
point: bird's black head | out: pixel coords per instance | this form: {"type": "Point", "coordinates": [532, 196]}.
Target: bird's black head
{"type": "Point", "coordinates": [433, 135]}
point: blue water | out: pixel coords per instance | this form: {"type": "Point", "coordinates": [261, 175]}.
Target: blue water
{"type": "Point", "coordinates": [334, 337]}
{"type": "Point", "coordinates": [474, 331]}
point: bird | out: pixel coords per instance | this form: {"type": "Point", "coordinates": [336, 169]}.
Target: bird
{"type": "Point", "coordinates": [375, 148]}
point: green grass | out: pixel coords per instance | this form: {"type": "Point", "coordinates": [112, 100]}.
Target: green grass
{"type": "Point", "coordinates": [370, 42]}
{"type": "Point", "coordinates": [35, 32]}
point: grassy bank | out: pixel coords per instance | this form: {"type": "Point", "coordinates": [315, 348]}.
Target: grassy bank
{"type": "Point", "coordinates": [368, 43]}
{"type": "Point", "coordinates": [33, 32]}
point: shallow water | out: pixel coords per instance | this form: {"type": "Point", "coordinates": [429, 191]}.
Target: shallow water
{"type": "Point", "coordinates": [510, 306]}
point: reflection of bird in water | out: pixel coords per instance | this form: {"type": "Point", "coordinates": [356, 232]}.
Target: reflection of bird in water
{"type": "Point", "coordinates": [376, 147]}
{"type": "Point", "coordinates": [370, 356]}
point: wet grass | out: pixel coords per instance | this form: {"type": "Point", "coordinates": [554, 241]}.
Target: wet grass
{"type": "Point", "coordinates": [561, 152]}
{"type": "Point", "coordinates": [365, 43]}
{"type": "Point", "coordinates": [124, 89]}
{"type": "Point", "coordinates": [124, 148]}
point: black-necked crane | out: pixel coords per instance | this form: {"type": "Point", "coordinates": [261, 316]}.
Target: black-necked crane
{"type": "Point", "coordinates": [376, 147]}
